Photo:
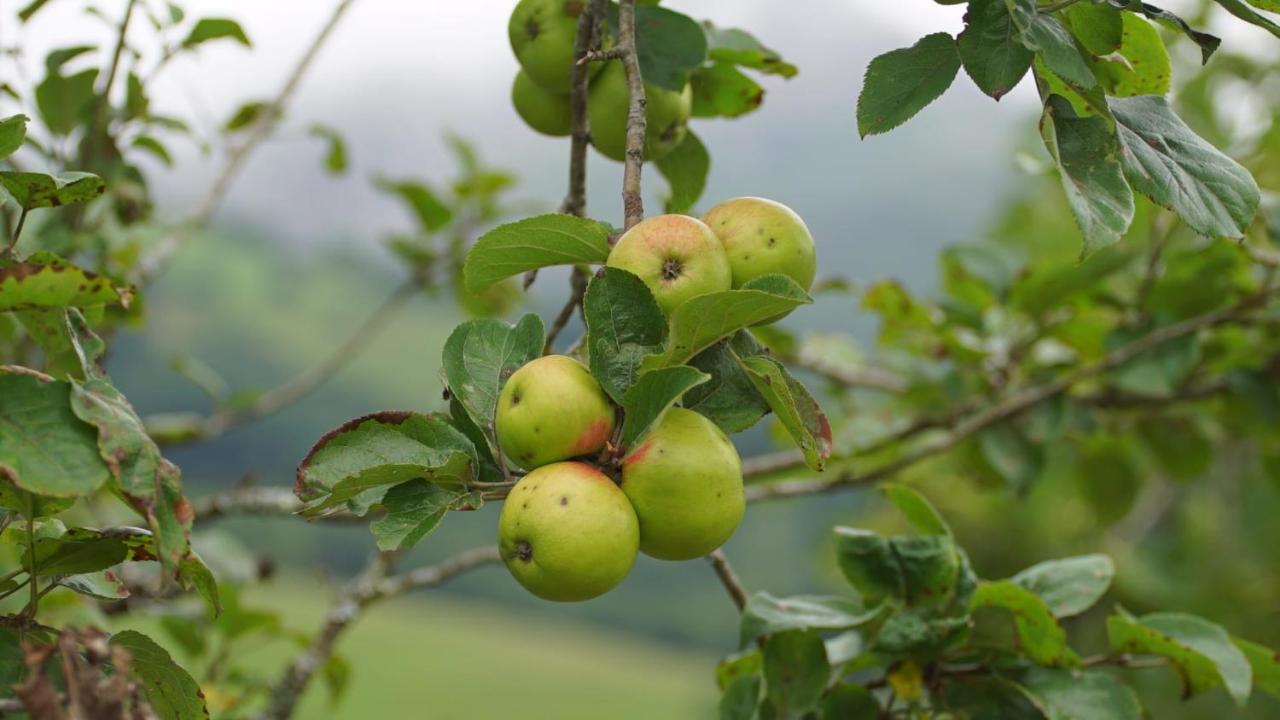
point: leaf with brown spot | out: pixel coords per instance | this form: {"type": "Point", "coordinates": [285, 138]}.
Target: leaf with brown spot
{"type": "Point", "coordinates": [45, 280]}
{"type": "Point", "coordinates": [39, 190]}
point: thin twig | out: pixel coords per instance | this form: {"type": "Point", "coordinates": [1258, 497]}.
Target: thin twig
{"type": "Point", "coordinates": [632, 201]}
{"type": "Point", "coordinates": [728, 578]}
{"type": "Point", "coordinates": [588, 37]}
{"type": "Point", "coordinates": [577, 289]}
{"type": "Point", "coordinates": [255, 134]}
{"type": "Point", "coordinates": [372, 585]}
{"type": "Point", "coordinates": [17, 233]}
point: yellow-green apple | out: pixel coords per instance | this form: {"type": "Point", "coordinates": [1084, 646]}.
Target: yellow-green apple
{"type": "Point", "coordinates": [684, 480]}
{"type": "Point", "coordinates": [762, 237]}
{"type": "Point", "coordinates": [666, 115]}
{"type": "Point", "coordinates": [677, 256]}
{"type": "Point", "coordinates": [542, 34]}
{"type": "Point", "coordinates": [544, 111]}
{"type": "Point", "coordinates": [567, 532]}
{"type": "Point", "coordinates": [552, 409]}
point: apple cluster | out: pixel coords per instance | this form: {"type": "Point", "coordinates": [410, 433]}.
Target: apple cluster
{"type": "Point", "coordinates": [542, 34]}
{"type": "Point", "coordinates": [571, 528]}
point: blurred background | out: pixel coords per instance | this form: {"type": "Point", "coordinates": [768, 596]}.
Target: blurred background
{"type": "Point", "coordinates": [297, 259]}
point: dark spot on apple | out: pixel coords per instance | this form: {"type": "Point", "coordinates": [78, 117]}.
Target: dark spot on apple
{"type": "Point", "coordinates": [525, 505]}
{"type": "Point", "coordinates": [671, 269]}
{"type": "Point", "coordinates": [515, 398]}
{"type": "Point", "coordinates": [669, 132]}
{"type": "Point", "coordinates": [564, 500]}
{"type": "Point", "coordinates": [524, 550]}
{"type": "Point", "coordinates": [532, 28]}
{"type": "Point", "coordinates": [772, 242]}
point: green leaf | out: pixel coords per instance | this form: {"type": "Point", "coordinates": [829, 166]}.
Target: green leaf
{"type": "Point", "coordinates": [31, 9]}
{"type": "Point", "coordinates": [155, 147]}
{"type": "Point", "coordinates": [988, 698]}
{"type": "Point", "coordinates": [916, 569]}
{"type": "Point", "coordinates": [901, 83]}
{"type": "Point", "coordinates": [849, 701]}
{"type": "Point", "coordinates": [1108, 481]}
{"type": "Point", "coordinates": [1208, 43]}
{"type": "Point", "coordinates": [1246, 13]}
{"type": "Point", "coordinates": [765, 614]}
{"type": "Point", "coordinates": [1087, 154]}
{"type": "Point", "coordinates": [722, 90]}
{"type": "Point", "coordinates": [50, 329]}
{"type": "Point", "coordinates": [36, 190]}
{"type": "Point", "coordinates": [1015, 458]}
{"type": "Point", "coordinates": [700, 321]}
{"type": "Point", "coordinates": [685, 169]}
{"type": "Point", "coordinates": [918, 511]}
{"type": "Point", "coordinates": [481, 354]}
{"type": "Point", "coordinates": [1202, 651]}
{"type": "Point", "coordinates": [1079, 695]}
{"type": "Point", "coordinates": [1052, 41]}
{"type": "Point", "coordinates": [1140, 66]}
{"type": "Point", "coordinates": [1052, 286]}
{"type": "Point", "coordinates": [646, 401]}
{"type": "Point", "coordinates": [1179, 445]}
{"type": "Point", "coordinates": [1040, 637]}
{"type": "Point", "coordinates": [796, 671]}
{"type": "Point", "coordinates": [45, 280]}
{"type": "Point", "coordinates": [104, 585]}
{"type": "Point", "coordinates": [216, 29]}
{"type": "Point", "coordinates": [989, 50]}
{"type": "Point", "coordinates": [414, 509]}
{"type": "Point", "coordinates": [430, 212]}
{"type": "Point", "coordinates": [13, 131]}
{"type": "Point", "coordinates": [247, 114]}
{"type": "Point", "coordinates": [920, 633]}
{"type": "Point", "coordinates": [383, 449]}
{"type": "Point", "coordinates": [1086, 103]}
{"type": "Point", "coordinates": [335, 158]}
{"type": "Point", "coordinates": [796, 409]}
{"type": "Point", "coordinates": [193, 573]}
{"type": "Point", "coordinates": [63, 100]}
{"type": "Point", "coordinates": [1179, 170]}
{"type": "Point", "coordinates": [169, 689]}
{"type": "Point", "coordinates": [624, 325]}
{"type": "Point", "coordinates": [1098, 27]}
{"type": "Point", "coordinates": [1071, 585]}
{"type": "Point", "coordinates": [729, 399]}
{"type": "Point", "coordinates": [741, 48]}
{"type": "Point", "coordinates": [1265, 663]}
{"type": "Point", "coordinates": [78, 553]}
{"type": "Point", "coordinates": [740, 698]}
{"type": "Point", "coordinates": [669, 45]}
{"type": "Point", "coordinates": [44, 447]}
{"type": "Point", "coordinates": [533, 243]}
{"type": "Point", "coordinates": [54, 61]}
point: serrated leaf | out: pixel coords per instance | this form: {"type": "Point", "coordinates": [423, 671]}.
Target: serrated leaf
{"type": "Point", "coordinates": [44, 447]}
{"type": "Point", "coordinates": [1202, 651]}
{"type": "Point", "coordinates": [1179, 170]}
{"type": "Point", "coordinates": [651, 395]}
{"type": "Point", "coordinates": [685, 169]}
{"type": "Point", "coordinates": [919, 511]}
{"type": "Point", "coordinates": [796, 671]}
{"type": "Point", "coordinates": [989, 49]}
{"type": "Point", "coordinates": [169, 689]}
{"type": "Point", "coordinates": [45, 280]}
{"type": "Point", "coordinates": [414, 509]}
{"type": "Point", "coordinates": [1040, 636]}
{"type": "Point", "coordinates": [1052, 41]}
{"type": "Point", "coordinates": [13, 131]}
{"type": "Point", "coordinates": [33, 190]}
{"type": "Point", "coordinates": [765, 614]}
{"type": "Point", "coordinates": [741, 48]}
{"type": "Point", "coordinates": [1077, 695]}
{"type": "Point", "coordinates": [430, 212]}
{"type": "Point", "coordinates": [380, 450]}
{"type": "Point", "coordinates": [481, 354]}
{"type": "Point", "coordinates": [1071, 585]}
{"type": "Point", "coordinates": [901, 83]}
{"type": "Point", "coordinates": [624, 325]}
{"type": "Point", "coordinates": [795, 408]}
{"type": "Point", "coordinates": [216, 29]}
{"type": "Point", "coordinates": [729, 399]}
{"type": "Point", "coordinates": [1087, 154]}
{"type": "Point", "coordinates": [533, 243]}
{"type": "Point", "coordinates": [700, 321]}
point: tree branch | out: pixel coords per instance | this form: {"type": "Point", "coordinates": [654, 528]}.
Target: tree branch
{"type": "Point", "coordinates": [372, 585]}
{"type": "Point", "coordinates": [587, 39]}
{"type": "Point", "coordinates": [728, 578]}
{"type": "Point", "coordinates": [1010, 407]}
{"type": "Point", "coordinates": [257, 132]}
{"type": "Point", "coordinates": [632, 201]}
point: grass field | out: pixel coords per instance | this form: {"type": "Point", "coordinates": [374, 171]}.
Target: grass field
{"type": "Point", "coordinates": [443, 658]}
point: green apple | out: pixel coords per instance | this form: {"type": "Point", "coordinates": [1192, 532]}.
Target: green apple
{"type": "Point", "coordinates": [542, 34]}
{"type": "Point", "coordinates": [567, 532]}
{"type": "Point", "coordinates": [684, 480]}
{"type": "Point", "coordinates": [544, 111]}
{"type": "Point", "coordinates": [552, 409]}
{"type": "Point", "coordinates": [677, 256]}
{"type": "Point", "coordinates": [666, 115]}
{"type": "Point", "coordinates": [762, 237]}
